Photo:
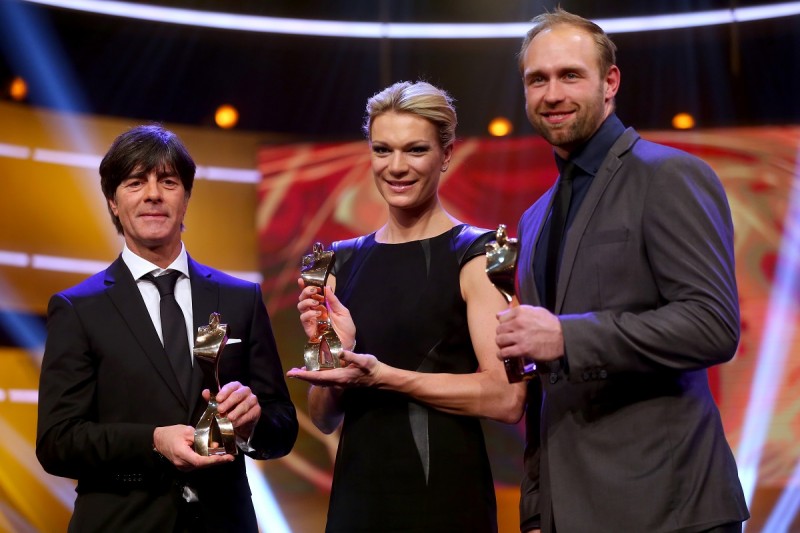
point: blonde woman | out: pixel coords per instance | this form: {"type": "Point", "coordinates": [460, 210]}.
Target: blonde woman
{"type": "Point", "coordinates": [415, 300]}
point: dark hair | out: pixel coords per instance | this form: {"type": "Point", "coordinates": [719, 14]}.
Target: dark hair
{"type": "Point", "coordinates": [606, 49]}
{"type": "Point", "coordinates": [144, 149]}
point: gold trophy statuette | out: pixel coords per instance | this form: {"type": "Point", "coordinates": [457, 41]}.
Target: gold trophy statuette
{"type": "Point", "coordinates": [213, 434]}
{"type": "Point", "coordinates": [501, 267]}
{"type": "Point", "coordinates": [322, 351]}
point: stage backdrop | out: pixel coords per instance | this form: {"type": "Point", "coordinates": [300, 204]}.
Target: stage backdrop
{"type": "Point", "coordinates": [259, 205]}
{"type": "Point", "coordinates": [325, 192]}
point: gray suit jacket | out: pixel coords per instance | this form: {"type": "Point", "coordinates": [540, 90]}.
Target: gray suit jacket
{"type": "Point", "coordinates": [623, 434]}
{"type": "Point", "coordinates": [106, 383]}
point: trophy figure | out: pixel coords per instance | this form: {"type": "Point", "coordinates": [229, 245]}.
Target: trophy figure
{"type": "Point", "coordinates": [213, 434]}
{"type": "Point", "coordinates": [322, 351]}
{"type": "Point", "coordinates": [501, 267]}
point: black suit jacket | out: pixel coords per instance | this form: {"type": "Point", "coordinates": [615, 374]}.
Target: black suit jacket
{"type": "Point", "coordinates": [624, 435]}
{"type": "Point", "coordinates": [106, 384]}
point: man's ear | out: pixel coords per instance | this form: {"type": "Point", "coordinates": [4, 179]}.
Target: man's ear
{"type": "Point", "coordinates": [612, 81]}
{"type": "Point", "coordinates": [112, 206]}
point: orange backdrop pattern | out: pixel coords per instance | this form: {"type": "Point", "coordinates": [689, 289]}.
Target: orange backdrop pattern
{"type": "Point", "coordinates": [324, 192]}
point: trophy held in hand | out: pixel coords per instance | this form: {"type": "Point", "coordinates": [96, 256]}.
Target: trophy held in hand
{"type": "Point", "coordinates": [322, 351]}
{"type": "Point", "coordinates": [501, 267]}
{"type": "Point", "coordinates": [213, 434]}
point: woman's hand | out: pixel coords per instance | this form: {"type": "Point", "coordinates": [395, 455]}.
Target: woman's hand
{"type": "Point", "coordinates": [310, 307]}
{"type": "Point", "coordinates": [359, 370]}
{"type": "Point", "coordinates": [312, 310]}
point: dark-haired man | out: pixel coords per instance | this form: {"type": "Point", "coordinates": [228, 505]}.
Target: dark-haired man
{"type": "Point", "coordinates": [119, 391]}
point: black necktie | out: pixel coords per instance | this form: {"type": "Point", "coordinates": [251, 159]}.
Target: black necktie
{"type": "Point", "coordinates": [558, 220]}
{"type": "Point", "coordinates": [173, 328]}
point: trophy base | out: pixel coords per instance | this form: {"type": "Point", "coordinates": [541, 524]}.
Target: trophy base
{"type": "Point", "coordinates": [214, 434]}
{"type": "Point", "coordinates": [323, 352]}
{"type": "Point", "coordinates": [216, 451]}
{"type": "Point", "coordinates": [519, 369]}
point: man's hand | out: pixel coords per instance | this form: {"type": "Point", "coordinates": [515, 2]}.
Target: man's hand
{"type": "Point", "coordinates": [175, 444]}
{"type": "Point", "coordinates": [527, 331]}
{"type": "Point", "coordinates": [237, 403]}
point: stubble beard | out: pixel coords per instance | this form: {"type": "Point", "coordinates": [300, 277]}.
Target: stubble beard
{"type": "Point", "coordinates": [575, 133]}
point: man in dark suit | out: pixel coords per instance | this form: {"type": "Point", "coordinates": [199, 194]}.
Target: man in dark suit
{"type": "Point", "coordinates": [115, 409]}
{"type": "Point", "coordinates": [629, 295]}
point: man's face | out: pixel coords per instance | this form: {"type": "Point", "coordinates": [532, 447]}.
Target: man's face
{"type": "Point", "coordinates": [566, 96]}
{"type": "Point", "coordinates": [151, 207]}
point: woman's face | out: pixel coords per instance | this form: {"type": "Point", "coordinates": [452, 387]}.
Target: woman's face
{"type": "Point", "coordinates": [407, 160]}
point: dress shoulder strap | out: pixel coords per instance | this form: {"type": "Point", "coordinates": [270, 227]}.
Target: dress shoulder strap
{"type": "Point", "coordinates": [344, 251]}
{"type": "Point", "coordinates": [470, 242]}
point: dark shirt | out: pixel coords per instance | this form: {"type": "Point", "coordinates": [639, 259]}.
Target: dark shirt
{"type": "Point", "coordinates": [587, 159]}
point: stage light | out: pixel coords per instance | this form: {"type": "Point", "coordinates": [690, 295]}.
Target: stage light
{"type": "Point", "coordinates": [500, 127]}
{"type": "Point", "coordinates": [785, 510]}
{"type": "Point", "coordinates": [18, 89]}
{"type": "Point", "coordinates": [226, 116]}
{"type": "Point", "coordinates": [683, 121]}
{"type": "Point", "coordinates": [268, 512]}
{"type": "Point", "coordinates": [400, 30]}
{"type": "Point", "coordinates": [775, 349]}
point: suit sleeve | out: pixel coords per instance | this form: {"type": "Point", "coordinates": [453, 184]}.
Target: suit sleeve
{"type": "Point", "coordinates": [70, 442]}
{"type": "Point", "coordinates": [687, 244]}
{"type": "Point", "coordinates": [277, 428]}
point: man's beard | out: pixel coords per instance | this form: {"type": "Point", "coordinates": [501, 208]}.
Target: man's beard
{"type": "Point", "coordinates": [578, 131]}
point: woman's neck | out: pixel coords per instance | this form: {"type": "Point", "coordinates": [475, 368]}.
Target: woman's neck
{"type": "Point", "coordinates": [404, 226]}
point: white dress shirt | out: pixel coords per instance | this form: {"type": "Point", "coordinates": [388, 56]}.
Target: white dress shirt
{"type": "Point", "coordinates": [183, 288]}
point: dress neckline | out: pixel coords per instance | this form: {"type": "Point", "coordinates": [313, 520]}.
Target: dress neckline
{"type": "Point", "coordinates": [439, 236]}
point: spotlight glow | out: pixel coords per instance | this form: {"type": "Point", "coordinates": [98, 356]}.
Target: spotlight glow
{"type": "Point", "coordinates": [268, 513]}
{"type": "Point", "coordinates": [92, 161]}
{"type": "Point", "coordinates": [683, 121]}
{"type": "Point", "coordinates": [500, 127]}
{"type": "Point", "coordinates": [15, 151]}
{"type": "Point", "coordinates": [84, 266]}
{"type": "Point", "coordinates": [391, 30]}
{"type": "Point", "coordinates": [18, 89]}
{"type": "Point", "coordinates": [226, 116]}
{"type": "Point", "coordinates": [774, 350]}
{"type": "Point", "coordinates": [784, 512]}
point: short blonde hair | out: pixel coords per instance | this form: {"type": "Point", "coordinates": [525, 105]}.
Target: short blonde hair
{"type": "Point", "coordinates": [418, 98]}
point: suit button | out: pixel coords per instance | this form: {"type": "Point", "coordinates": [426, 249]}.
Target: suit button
{"type": "Point", "coordinates": [586, 376]}
{"type": "Point", "coordinates": [553, 377]}
{"type": "Point", "coordinates": [603, 374]}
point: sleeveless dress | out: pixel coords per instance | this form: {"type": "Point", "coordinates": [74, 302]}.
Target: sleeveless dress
{"type": "Point", "coordinates": [402, 466]}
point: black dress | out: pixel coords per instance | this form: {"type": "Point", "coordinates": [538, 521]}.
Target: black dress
{"type": "Point", "coordinates": [402, 466]}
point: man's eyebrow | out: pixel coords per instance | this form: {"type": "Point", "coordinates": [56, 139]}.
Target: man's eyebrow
{"type": "Point", "coordinates": [136, 173]}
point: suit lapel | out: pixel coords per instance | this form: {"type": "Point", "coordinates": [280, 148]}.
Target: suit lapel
{"type": "Point", "coordinates": [611, 164]}
{"type": "Point", "coordinates": [128, 301]}
{"type": "Point", "coordinates": [205, 300]}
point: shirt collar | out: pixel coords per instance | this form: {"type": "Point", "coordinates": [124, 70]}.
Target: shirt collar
{"type": "Point", "coordinates": [590, 156]}
{"type": "Point", "coordinates": [140, 266]}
